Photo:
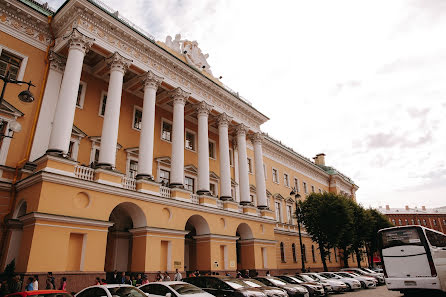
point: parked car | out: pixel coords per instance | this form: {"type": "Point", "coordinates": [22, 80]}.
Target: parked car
{"type": "Point", "coordinates": [114, 290]}
{"type": "Point", "coordinates": [377, 269]}
{"type": "Point", "coordinates": [174, 288]}
{"type": "Point", "coordinates": [327, 288]}
{"type": "Point", "coordinates": [336, 285]}
{"type": "Point", "coordinates": [366, 282]}
{"type": "Point", "coordinates": [291, 289]}
{"type": "Point", "coordinates": [372, 271]}
{"type": "Point", "coordinates": [352, 283]}
{"type": "Point", "coordinates": [314, 289]}
{"type": "Point", "coordinates": [224, 286]}
{"type": "Point", "coordinates": [377, 276]}
{"type": "Point", "coordinates": [269, 290]}
{"type": "Point", "coordinates": [41, 293]}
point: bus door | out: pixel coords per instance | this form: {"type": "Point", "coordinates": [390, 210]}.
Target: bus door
{"type": "Point", "coordinates": [438, 250]}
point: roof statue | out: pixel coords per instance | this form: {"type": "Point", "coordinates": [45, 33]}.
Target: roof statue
{"type": "Point", "coordinates": [191, 51]}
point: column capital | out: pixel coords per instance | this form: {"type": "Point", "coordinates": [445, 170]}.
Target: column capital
{"type": "Point", "coordinates": [118, 62]}
{"type": "Point", "coordinates": [57, 62]}
{"type": "Point", "coordinates": [257, 138]}
{"type": "Point", "coordinates": [179, 95]}
{"type": "Point", "coordinates": [79, 41]}
{"type": "Point", "coordinates": [241, 129]}
{"type": "Point", "coordinates": [151, 80]}
{"type": "Point", "coordinates": [224, 119]}
{"type": "Point", "coordinates": [203, 108]}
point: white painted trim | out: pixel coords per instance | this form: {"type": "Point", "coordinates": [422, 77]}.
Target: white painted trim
{"type": "Point", "coordinates": [84, 249]}
{"type": "Point", "coordinates": [106, 182]}
{"type": "Point", "coordinates": [82, 97]}
{"type": "Point", "coordinates": [286, 180]}
{"type": "Point", "coordinates": [23, 64]}
{"type": "Point", "coordinates": [65, 219]}
{"type": "Point", "coordinates": [66, 227]}
{"type": "Point", "coordinates": [272, 175]}
{"type": "Point", "coordinates": [58, 171]}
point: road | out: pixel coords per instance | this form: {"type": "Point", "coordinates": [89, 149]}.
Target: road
{"type": "Point", "coordinates": [380, 291]}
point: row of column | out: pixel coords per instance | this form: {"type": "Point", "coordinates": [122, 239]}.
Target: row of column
{"type": "Point", "coordinates": [59, 141]}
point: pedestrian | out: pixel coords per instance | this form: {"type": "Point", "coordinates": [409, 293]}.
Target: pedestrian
{"type": "Point", "coordinates": [29, 284]}
{"type": "Point", "coordinates": [166, 277]}
{"type": "Point", "coordinates": [103, 282]}
{"type": "Point", "coordinates": [115, 277]}
{"type": "Point", "coordinates": [97, 282]}
{"type": "Point", "coordinates": [177, 276]}
{"type": "Point", "coordinates": [138, 280]}
{"type": "Point", "coordinates": [16, 284]}
{"type": "Point", "coordinates": [121, 278]}
{"type": "Point", "coordinates": [133, 280]}
{"type": "Point", "coordinates": [4, 289]}
{"type": "Point", "coordinates": [144, 280]}
{"type": "Point", "coordinates": [36, 282]}
{"type": "Point", "coordinates": [159, 277]}
{"type": "Point", "coordinates": [49, 284]}
{"type": "Point", "coordinates": [127, 280]}
{"type": "Point", "coordinates": [63, 284]}
{"type": "Point", "coordinates": [52, 280]}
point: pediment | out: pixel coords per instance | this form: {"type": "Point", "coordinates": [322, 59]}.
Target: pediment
{"type": "Point", "coordinates": [278, 196]}
{"type": "Point", "coordinates": [97, 139]}
{"type": "Point", "coordinates": [78, 132]}
{"type": "Point", "coordinates": [191, 169]}
{"type": "Point", "coordinates": [10, 109]}
{"type": "Point", "coordinates": [163, 160]}
{"type": "Point", "coordinates": [213, 175]}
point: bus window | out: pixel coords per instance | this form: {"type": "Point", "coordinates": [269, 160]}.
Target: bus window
{"type": "Point", "coordinates": [436, 239]}
{"type": "Point", "coordinates": [403, 236]}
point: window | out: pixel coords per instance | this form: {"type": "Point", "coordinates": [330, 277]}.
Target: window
{"type": "Point", "coordinates": [412, 221]}
{"type": "Point", "coordinates": [251, 198]}
{"type": "Point", "coordinates": [190, 141]}
{"type": "Point", "coordinates": [289, 211]}
{"type": "Point", "coordinates": [293, 251]}
{"type": "Point", "coordinates": [312, 189]}
{"type": "Point", "coordinates": [10, 63]}
{"type": "Point", "coordinates": [133, 168]}
{"type": "Point", "coordinates": [286, 180]}
{"type": "Point", "coordinates": [81, 94]}
{"type": "Point", "coordinates": [335, 254]}
{"type": "Point", "coordinates": [155, 289]}
{"type": "Point", "coordinates": [278, 212]}
{"type": "Point", "coordinates": [164, 177]}
{"type": "Point", "coordinates": [275, 176]}
{"type": "Point", "coordinates": [231, 157]}
{"type": "Point", "coordinates": [137, 118]}
{"type": "Point", "coordinates": [166, 131]}
{"type": "Point", "coordinates": [444, 222]}
{"type": "Point", "coordinates": [249, 165]}
{"type": "Point", "coordinates": [282, 252]}
{"type": "Point", "coordinates": [212, 189]}
{"type": "Point", "coordinates": [305, 187]}
{"type": "Point", "coordinates": [419, 222]}
{"type": "Point", "coordinates": [189, 184]}
{"type": "Point", "coordinates": [296, 184]}
{"type": "Point", "coordinates": [70, 150]}
{"type": "Point", "coordinates": [435, 222]}
{"type": "Point", "coordinates": [406, 222]}
{"type": "Point", "coordinates": [103, 103]}
{"type": "Point", "coordinates": [436, 239]}
{"type": "Point", "coordinates": [304, 252]}
{"type": "Point", "coordinates": [424, 222]}
{"type": "Point", "coordinates": [211, 149]}
{"type": "Point", "coordinates": [400, 222]}
{"type": "Point", "coordinates": [313, 254]}
{"type": "Point", "coordinates": [393, 221]}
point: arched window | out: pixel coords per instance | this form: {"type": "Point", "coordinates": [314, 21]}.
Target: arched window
{"type": "Point", "coordinates": [313, 254]}
{"type": "Point", "coordinates": [282, 252]}
{"type": "Point", "coordinates": [412, 221]}
{"type": "Point", "coordinates": [293, 250]}
{"type": "Point", "coordinates": [304, 252]}
{"type": "Point", "coordinates": [400, 222]}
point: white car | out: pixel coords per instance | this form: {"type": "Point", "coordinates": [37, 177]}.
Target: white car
{"type": "Point", "coordinates": [366, 282]}
{"type": "Point", "coordinates": [378, 276]}
{"type": "Point", "coordinates": [114, 290]}
{"type": "Point", "coordinates": [336, 285]}
{"type": "Point", "coordinates": [173, 289]}
{"type": "Point", "coordinates": [352, 283]}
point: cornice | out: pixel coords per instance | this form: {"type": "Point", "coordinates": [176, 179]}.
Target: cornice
{"type": "Point", "coordinates": [64, 219]}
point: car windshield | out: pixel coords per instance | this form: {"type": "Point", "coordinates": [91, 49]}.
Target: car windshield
{"type": "Point", "coordinates": [368, 270]}
{"type": "Point", "coordinates": [312, 276]}
{"type": "Point", "coordinates": [321, 277]}
{"type": "Point", "coordinates": [306, 278]}
{"type": "Point", "coordinates": [277, 281]}
{"type": "Point", "coordinates": [345, 275]}
{"type": "Point", "coordinates": [236, 284]}
{"type": "Point", "coordinates": [298, 278]}
{"type": "Point", "coordinates": [126, 292]}
{"type": "Point", "coordinates": [354, 274]}
{"type": "Point", "coordinates": [254, 283]}
{"type": "Point", "coordinates": [186, 289]}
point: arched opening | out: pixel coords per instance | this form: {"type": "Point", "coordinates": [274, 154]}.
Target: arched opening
{"type": "Point", "coordinates": [244, 247]}
{"type": "Point", "coordinates": [125, 216]}
{"type": "Point", "coordinates": [15, 227]}
{"type": "Point", "coordinates": [196, 226]}
{"type": "Point", "coordinates": [282, 252]}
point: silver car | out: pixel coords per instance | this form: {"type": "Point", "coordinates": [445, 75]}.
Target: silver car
{"type": "Point", "coordinates": [379, 277]}
{"type": "Point", "coordinates": [366, 282]}
{"type": "Point", "coordinates": [337, 286]}
{"type": "Point", "coordinates": [352, 283]}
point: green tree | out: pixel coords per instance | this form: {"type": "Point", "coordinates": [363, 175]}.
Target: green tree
{"type": "Point", "coordinates": [377, 221]}
{"type": "Point", "coordinates": [361, 227]}
{"type": "Point", "coordinates": [324, 215]}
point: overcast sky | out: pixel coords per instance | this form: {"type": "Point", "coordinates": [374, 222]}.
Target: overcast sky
{"type": "Point", "coordinates": [362, 81]}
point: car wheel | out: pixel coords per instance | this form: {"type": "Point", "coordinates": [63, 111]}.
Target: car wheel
{"type": "Point", "coordinates": [349, 288]}
{"type": "Point", "coordinates": [363, 285]}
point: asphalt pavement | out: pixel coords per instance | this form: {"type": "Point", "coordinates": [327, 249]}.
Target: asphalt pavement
{"type": "Point", "coordinates": [380, 291]}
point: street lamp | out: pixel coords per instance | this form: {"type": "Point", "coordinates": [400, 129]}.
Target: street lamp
{"type": "Point", "coordinates": [299, 219]}
{"type": "Point", "coordinates": [24, 96]}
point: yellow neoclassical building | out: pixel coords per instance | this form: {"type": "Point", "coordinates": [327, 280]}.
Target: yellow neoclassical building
{"type": "Point", "coordinates": [134, 157]}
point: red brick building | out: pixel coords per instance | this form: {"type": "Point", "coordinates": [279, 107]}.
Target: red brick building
{"type": "Point", "coordinates": [434, 218]}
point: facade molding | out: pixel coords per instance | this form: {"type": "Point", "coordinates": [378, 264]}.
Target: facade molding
{"type": "Point", "coordinates": [64, 219]}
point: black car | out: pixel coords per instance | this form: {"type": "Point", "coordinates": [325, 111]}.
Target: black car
{"type": "Point", "coordinates": [313, 288]}
{"type": "Point", "coordinates": [224, 286]}
{"type": "Point", "coordinates": [275, 291]}
{"type": "Point", "coordinates": [293, 290]}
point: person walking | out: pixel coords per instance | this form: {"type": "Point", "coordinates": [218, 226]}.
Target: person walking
{"type": "Point", "coordinates": [166, 277]}
{"type": "Point", "coordinates": [29, 284]}
{"type": "Point", "coordinates": [138, 280]}
{"type": "Point", "coordinates": [97, 282]}
{"type": "Point", "coordinates": [159, 277]}
{"type": "Point", "coordinates": [16, 285]}
{"type": "Point", "coordinates": [63, 284]}
{"type": "Point", "coordinates": [128, 281]}
{"type": "Point", "coordinates": [144, 280]}
{"type": "Point", "coordinates": [36, 282]}
{"type": "Point", "coordinates": [177, 276]}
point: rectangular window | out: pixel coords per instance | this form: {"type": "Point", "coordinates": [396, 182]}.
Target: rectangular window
{"type": "Point", "coordinates": [189, 184]}
{"type": "Point", "coordinates": [320, 191]}
{"type": "Point", "coordinates": [211, 149]}
{"type": "Point", "coordinates": [278, 212]}
{"type": "Point", "coordinates": [164, 177]}
{"type": "Point", "coordinates": [289, 210]}
{"type": "Point", "coordinates": [103, 103]}
{"type": "Point", "coordinates": [212, 189]}
{"type": "Point", "coordinates": [231, 157]}
{"type": "Point", "coordinates": [81, 94]}
{"type": "Point", "coordinates": [296, 184]}
{"type": "Point", "coordinates": [251, 197]}
{"type": "Point", "coordinates": [305, 187]}
{"type": "Point", "coordinates": [166, 133]}
{"type": "Point", "coordinates": [133, 168]}
{"type": "Point", "coordinates": [275, 176]}
{"type": "Point", "coordinates": [249, 165]}
{"type": "Point", "coordinates": [312, 189]}
{"type": "Point", "coordinates": [96, 155]}
{"type": "Point", "coordinates": [190, 141]}
{"type": "Point", "coordinates": [137, 118]}
{"type": "Point", "coordinates": [9, 63]}
{"type": "Point", "coordinates": [286, 180]}
{"type": "Point", "coordinates": [70, 150]}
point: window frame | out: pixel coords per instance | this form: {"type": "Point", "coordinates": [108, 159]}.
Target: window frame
{"type": "Point", "coordinates": [135, 108]}
{"type": "Point", "coordinates": [195, 140]}
{"type": "Point", "coordinates": [23, 64]}
{"type": "Point", "coordinates": [161, 132]}
{"type": "Point", "coordinates": [101, 102]}
{"type": "Point", "coordinates": [214, 151]}
{"type": "Point", "coordinates": [82, 95]}
{"type": "Point", "coordinates": [278, 211]}
{"type": "Point", "coordinates": [193, 183]}
{"type": "Point", "coordinates": [296, 184]}
{"type": "Point", "coordinates": [286, 180]}
{"type": "Point", "coordinates": [250, 167]}
{"type": "Point", "coordinates": [277, 181]}
{"type": "Point", "coordinates": [304, 184]}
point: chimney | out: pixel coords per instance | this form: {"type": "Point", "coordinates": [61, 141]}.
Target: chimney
{"type": "Point", "coordinates": [319, 159]}
{"type": "Point", "coordinates": [407, 207]}
{"type": "Point", "coordinates": [423, 207]}
{"type": "Point", "coordinates": [387, 207]}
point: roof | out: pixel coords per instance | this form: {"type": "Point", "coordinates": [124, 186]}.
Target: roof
{"type": "Point", "coordinates": [38, 6]}
{"type": "Point", "coordinates": [415, 210]}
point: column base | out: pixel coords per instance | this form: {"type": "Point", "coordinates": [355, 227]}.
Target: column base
{"type": "Point", "coordinates": [204, 192]}
{"type": "Point", "coordinates": [264, 207]}
{"type": "Point", "coordinates": [176, 186]}
{"type": "Point", "coordinates": [226, 198]}
{"type": "Point", "coordinates": [54, 152]}
{"type": "Point", "coordinates": [246, 203]}
{"type": "Point", "coordinates": [144, 177]}
{"type": "Point", "coordinates": [106, 166]}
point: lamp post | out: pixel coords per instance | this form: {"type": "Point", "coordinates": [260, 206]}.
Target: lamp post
{"type": "Point", "coordinates": [299, 218]}
{"type": "Point", "coordinates": [24, 96]}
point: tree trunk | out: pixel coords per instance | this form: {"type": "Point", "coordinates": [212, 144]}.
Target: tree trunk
{"type": "Point", "coordinates": [345, 258]}
{"type": "Point", "coordinates": [369, 256]}
{"type": "Point", "coordinates": [358, 257]}
{"type": "Point", "coordinates": [322, 251]}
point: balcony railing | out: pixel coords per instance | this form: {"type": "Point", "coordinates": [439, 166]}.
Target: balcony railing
{"type": "Point", "coordinates": [165, 191]}
{"type": "Point", "coordinates": [83, 172]}
{"type": "Point", "coordinates": [128, 183]}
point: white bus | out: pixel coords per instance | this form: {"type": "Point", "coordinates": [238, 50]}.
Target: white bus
{"type": "Point", "coordinates": [414, 258]}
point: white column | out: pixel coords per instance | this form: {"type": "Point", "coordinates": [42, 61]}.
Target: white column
{"type": "Point", "coordinates": [236, 170]}
{"type": "Point", "coordinates": [146, 138]}
{"type": "Point", "coordinates": [260, 173]}
{"type": "Point", "coordinates": [109, 137]}
{"type": "Point", "coordinates": [225, 166]}
{"type": "Point", "coordinates": [203, 110]}
{"type": "Point", "coordinates": [243, 164]}
{"type": "Point", "coordinates": [79, 44]}
{"type": "Point", "coordinates": [48, 108]}
{"type": "Point", "coordinates": [177, 161]}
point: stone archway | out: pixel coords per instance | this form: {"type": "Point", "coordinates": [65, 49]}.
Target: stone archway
{"type": "Point", "coordinates": [245, 247]}
{"type": "Point", "coordinates": [124, 216]}
{"type": "Point", "coordinates": [196, 226]}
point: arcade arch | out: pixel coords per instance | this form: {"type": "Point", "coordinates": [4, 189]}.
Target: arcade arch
{"type": "Point", "coordinates": [196, 226]}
